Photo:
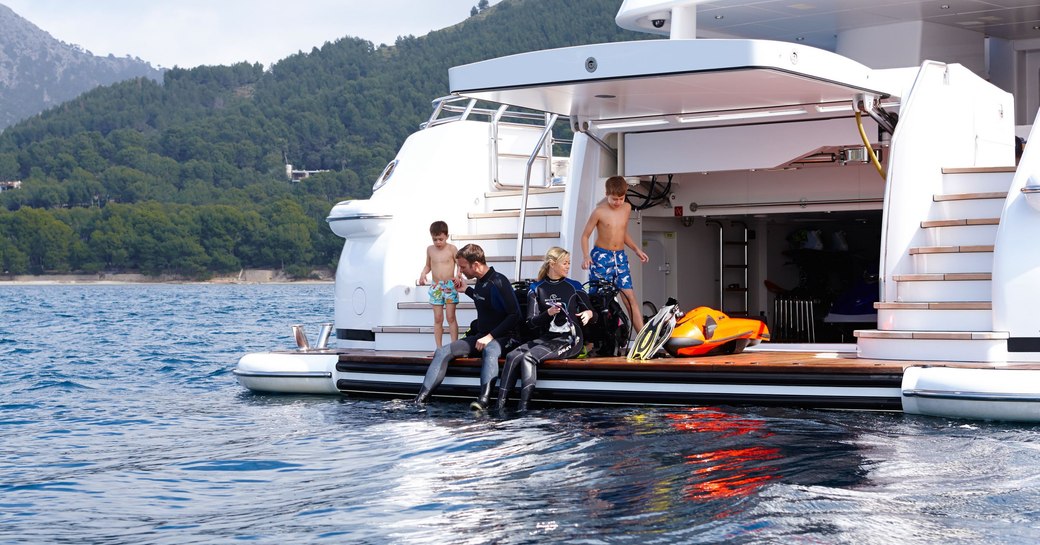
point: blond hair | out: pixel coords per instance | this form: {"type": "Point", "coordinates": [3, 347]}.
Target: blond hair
{"type": "Point", "coordinates": [551, 257]}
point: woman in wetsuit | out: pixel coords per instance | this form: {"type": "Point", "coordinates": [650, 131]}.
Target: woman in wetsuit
{"type": "Point", "coordinates": [557, 308]}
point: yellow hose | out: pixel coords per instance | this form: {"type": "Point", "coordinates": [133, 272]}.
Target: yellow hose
{"type": "Point", "coordinates": [870, 149]}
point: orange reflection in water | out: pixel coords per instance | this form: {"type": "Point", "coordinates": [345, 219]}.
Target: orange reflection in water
{"type": "Point", "coordinates": [729, 472]}
{"type": "Point", "coordinates": [713, 422]}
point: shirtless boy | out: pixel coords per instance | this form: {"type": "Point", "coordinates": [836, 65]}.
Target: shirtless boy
{"type": "Point", "coordinates": [444, 295]}
{"type": "Point", "coordinates": [607, 260]}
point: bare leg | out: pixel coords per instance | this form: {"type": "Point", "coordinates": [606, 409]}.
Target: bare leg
{"type": "Point", "coordinates": [453, 325]}
{"type": "Point", "coordinates": [438, 325]}
{"type": "Point", "coordinates": [635, 310]}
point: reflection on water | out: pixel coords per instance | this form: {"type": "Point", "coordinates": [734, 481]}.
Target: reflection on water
{"type": "Point", "coordinates": [731, 472]}
{"type": "Point", "coordinates": [726, 472]}
{"type": "Point", "coordinates": [120, 422]}
{"type": "Point", "coordinates": [707, 420]}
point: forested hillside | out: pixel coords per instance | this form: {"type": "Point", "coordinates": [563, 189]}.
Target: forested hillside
{"type": "Point", "coordinates": [187, 176]}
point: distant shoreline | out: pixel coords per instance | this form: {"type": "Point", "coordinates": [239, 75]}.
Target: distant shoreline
{"type": "Point", "coordinates": [246, 276]}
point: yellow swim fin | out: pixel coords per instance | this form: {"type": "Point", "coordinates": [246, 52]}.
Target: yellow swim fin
{"type": "Point", "coordinates": [654, 334]}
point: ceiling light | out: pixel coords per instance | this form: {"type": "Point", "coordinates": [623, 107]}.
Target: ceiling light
{"type": "Point", "coordinates": [630, 124]}
{"type": "Point", "coordinates": [740, 115]}
{"type": "Point", "coordinates": [834, 108]}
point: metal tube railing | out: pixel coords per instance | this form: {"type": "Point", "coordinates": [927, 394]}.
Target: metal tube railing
{"type": "Point", "coordinates": [451, 104]}
{"type": "Point", "coordinates": [494, 143]}
{"type": "Point", "coordinates": [526, 190]}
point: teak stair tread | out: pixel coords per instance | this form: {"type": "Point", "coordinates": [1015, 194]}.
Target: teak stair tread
{"type": "Point", "coordinates": [959, 223]}
{"type": "Point", "coordinates": [977, 170]}
{"type": "Point", "coordinates": [500, 258]}
{"type": "Point", "coordinates": [933, 277]}
{"type": "Point", "coordinates": [951, 249]}
{"type": "Point", "coordinates": [505, 236]}
{"type": "Point", "coordinates": [413, 305]}
{"type": "Point", "coordinates": [541, 212]}
{"type": "Point", "coordinates": [933, 335]}
{"type": "Point", "coordinates": [968, 196]}
{"type": "Point", "coordinates": [945, 305]}
{"type": "Point", "coordinates": [518, 192]}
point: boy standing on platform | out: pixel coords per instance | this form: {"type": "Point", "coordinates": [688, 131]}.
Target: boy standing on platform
{"type": "Point", "coordinates": [444, 294]}
{"type": "Point", "coordinates": [607, 260]}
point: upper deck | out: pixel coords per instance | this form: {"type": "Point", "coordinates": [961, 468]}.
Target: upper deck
{"type": "Point", "coordinates": [650, 78]}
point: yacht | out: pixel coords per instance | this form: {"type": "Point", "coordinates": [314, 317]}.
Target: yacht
{"type": "Point", "coordinates": [856, 177]}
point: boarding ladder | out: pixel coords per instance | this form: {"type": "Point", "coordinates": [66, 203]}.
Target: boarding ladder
{"type": "Point", "coordinates": [733, 266]}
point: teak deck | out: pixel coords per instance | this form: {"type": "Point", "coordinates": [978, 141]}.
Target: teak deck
{"type": "Point", "coordinates": [749, 361]}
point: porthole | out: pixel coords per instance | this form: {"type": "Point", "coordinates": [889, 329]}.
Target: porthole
{"type": "Point", "coordinates": [385, 176]}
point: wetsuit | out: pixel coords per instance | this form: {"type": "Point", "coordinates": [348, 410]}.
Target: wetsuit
{"type": "Point", "coordinates": [498, 313]}
{"type": "Point", "coordinates": [561, 336]}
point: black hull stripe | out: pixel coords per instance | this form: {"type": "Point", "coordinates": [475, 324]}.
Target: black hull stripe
{"type": "Point", "coordinates": [593, 397]}
{"type": "Point", "coordinates": [662, 377]}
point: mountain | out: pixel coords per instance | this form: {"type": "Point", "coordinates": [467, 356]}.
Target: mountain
{"type": "Point", "coordinates": [188, 175]}
{"type": "Point", "coordinates": [38, 72]}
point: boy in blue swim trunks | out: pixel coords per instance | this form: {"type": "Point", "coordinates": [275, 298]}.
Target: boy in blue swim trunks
{"type": "Point", "coordinates": [607, 260]}
{"type": "Point", "coordinates": [444, 294]}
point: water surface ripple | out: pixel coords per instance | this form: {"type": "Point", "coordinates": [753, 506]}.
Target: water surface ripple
{"type": "Point", "coordinates": [120, 422]}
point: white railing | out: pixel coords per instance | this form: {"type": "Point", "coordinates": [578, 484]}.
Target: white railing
{"type": "Point", "coordinates": [452, 109]}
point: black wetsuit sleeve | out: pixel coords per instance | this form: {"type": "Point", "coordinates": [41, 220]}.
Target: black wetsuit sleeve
{"type": "Point", "coordinates": [587, 303]}
{"type": "Point", "coordinates": [512, 310]}
{"type": "Point", "coordinates": [536, 317]}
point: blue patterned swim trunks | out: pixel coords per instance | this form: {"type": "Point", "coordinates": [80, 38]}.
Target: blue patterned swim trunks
{"type": "Point", "coordinates": [443, 292]}
{"type": "Point", "coordinates": [612, 266]}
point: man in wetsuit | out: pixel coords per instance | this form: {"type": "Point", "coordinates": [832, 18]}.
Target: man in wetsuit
{"type": "Point", "coordinates": [492, 333]}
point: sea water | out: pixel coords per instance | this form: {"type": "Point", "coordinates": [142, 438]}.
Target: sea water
{"type": "Point", "coordinates": [121, 422]}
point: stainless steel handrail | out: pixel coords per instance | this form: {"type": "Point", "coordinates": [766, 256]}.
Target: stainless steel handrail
{"type": "Point", "coordinates": [494, 142]}
{"type": "Point", "coordinates": [451, 104]}
{"type": "Point", "coordinates": [550, 120]}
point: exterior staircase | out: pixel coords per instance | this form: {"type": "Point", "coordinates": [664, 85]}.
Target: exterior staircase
{"type": "Point", "coordinates": [495, 229]}
{"type": "Point", "coordinates": [943, 309]}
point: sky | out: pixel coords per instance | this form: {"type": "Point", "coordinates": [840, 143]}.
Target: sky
{"type": "Point", "coordinates": [189, 33]}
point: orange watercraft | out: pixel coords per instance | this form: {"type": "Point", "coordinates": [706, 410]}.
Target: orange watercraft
{"type": "Point", "coordinates": [705, 331]}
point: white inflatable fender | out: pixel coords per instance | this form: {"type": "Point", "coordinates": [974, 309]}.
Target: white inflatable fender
{"type": "Point", "coordinates": [289, 372]}
{"type": "Point", "coordinates": [988, 394]}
